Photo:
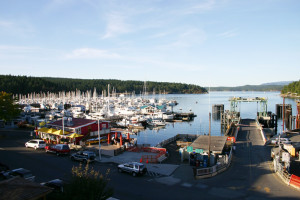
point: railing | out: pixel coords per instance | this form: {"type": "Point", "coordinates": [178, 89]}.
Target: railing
{"type": "Point", "coordinates": [149, 158]}
{"type": "Point", "coordinates": [176, 137]}
{"type": "Point", "coordinates": [279, 169]}
{"type": "Point", "coordinates": [261, 131]}
{"type": "Point", "coordinates": [288, 178]}
{"type": "Point", "coordinates": [214, 170]}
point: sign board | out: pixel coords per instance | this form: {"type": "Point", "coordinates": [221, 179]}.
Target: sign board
{"type": "Point", "coordinates": [189, 149]}
{"type": "Point", "coordinates": [285, 157]}
{"type": "Point", "coordinates": [199, 151]}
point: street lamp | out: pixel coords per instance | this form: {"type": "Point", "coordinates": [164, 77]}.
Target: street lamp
{"type": "Point", "coordinates": [99, 141]}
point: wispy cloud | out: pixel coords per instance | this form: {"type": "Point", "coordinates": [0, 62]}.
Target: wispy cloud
{"type": "Point", "coordinates": [57, 4]}
{"type": "Point", "coordinates": [16, 51]}
{"type": "Point", "coordinates": [182, 38]}
{"type": "Point", "coordinates": [116, 25]}
{"type": "Point", "coordinates": [16, 27]}
{"type": "Point", "coordinates": [197, 7]}
{"type": "Point", "coordinates": [228, 34]}
{"type": "Point", "coordinates": [91, 53]}
{"type": "Point", "coordinates": [190, 37]}
{"type": "Point", "coordinates": [203, 6]}
{"type": "Point", "coordinates": [28, 52]}
{"type": "Point", "coordinates": [5, 24]}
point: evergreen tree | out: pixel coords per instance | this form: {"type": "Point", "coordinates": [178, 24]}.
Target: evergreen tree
{"type": "Point", "coordinates": [8, 109]}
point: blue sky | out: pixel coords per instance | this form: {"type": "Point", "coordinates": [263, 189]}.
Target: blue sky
{"type": "Point", "coordinates": [203, 42]}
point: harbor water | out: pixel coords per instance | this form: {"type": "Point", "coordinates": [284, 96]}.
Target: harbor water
{"type": "Point", "coordinates": [201, 105]}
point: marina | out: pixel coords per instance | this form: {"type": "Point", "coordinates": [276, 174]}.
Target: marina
{"type": "Point", "coordinates": [198, 105]}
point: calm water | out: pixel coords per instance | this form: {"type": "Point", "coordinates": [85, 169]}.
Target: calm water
{"type": "Point", "coordinates": [201, 105]}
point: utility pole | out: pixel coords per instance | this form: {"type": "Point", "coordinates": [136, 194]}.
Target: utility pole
{"type": "Point", "coordinates": [209, 137]}
{"type": "Point", "coordinates": [283, 113]}
{"type": "Point", "coordinates": [99, 141]}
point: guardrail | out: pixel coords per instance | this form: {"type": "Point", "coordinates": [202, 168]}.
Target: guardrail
{"type": "Point", "coordinates": [261, 131]}
{"type": "Point", "coordinates": [288, 178]}
{"type": "Point", "coordinates": [176, 137]}
{"type": "Point", "coordinates": [214, 170]}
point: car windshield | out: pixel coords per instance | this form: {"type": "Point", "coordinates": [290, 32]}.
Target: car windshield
{"type": "Point", "coordinates": [142, 166]}
{"type": "Point", "coordinates": [65, 147]}
{"type": "Point", "coordinates": [42, 142]}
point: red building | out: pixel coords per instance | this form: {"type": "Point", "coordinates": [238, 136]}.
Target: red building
{"type": "Point", "coordinates": [85, 127]}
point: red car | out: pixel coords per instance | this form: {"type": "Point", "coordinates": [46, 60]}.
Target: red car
{"type": "Point", "coordinates": [58, 149]}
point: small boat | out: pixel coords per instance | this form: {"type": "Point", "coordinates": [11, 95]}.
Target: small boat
{"type": "Point", "coordinates": [157, 122]}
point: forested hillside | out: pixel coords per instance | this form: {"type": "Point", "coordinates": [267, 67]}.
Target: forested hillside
{"type": "Point", "coordinates": [249, 88]}
{"type": "Point", "coordinates": [25, 85]}
{"type": "Point", "coordinates": [293, 87]}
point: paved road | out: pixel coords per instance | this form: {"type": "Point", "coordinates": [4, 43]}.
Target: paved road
{"type": "Point", "coordinates": [249, 177]}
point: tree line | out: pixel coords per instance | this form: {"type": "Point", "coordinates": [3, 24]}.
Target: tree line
{"type": "Point", "coordinates": [28, 84]}
{"type": "Point", "coordinates": [293, 87]}
{"type": "Point", "coordinates": [249, 88]}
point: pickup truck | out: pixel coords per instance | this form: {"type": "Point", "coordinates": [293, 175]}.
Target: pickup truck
{"type": "Point", "coordinates": [58, 149]}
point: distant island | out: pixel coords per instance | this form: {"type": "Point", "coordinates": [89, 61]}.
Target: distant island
{"type": "Point", "coordinates": [274, 86]}
{"type": "Point", "coordinates": [28, 84]}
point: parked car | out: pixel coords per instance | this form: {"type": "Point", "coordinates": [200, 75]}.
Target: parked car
{"type": "Point", "coordinates": [84, 156]}
{"type": "Point", "coordinates": [36, 144]}
{"type": "Point", "coordinates": [56, 184]}
{"type": "Point", "coordinates": [133, 168]}
{"type": "Point", "coordinates": [24, 173]}
{"type": "Point", "coordinates": [4, 176]}
{"type": "Point", "coordinates": [58, 149]}
{"type": "Point", "coordinates": [282, 140]}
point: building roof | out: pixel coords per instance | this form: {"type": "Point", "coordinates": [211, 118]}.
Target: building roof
{"type": "Point", "coordinates": [217, 143]}
{"type": "Point", "coordinates": [76, 123]}
{"type": "Point", "coordinates": [18, 188]}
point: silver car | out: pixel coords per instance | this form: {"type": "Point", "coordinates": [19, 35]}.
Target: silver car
{"type": "Point", "coordinates": [36, 144]}
{"type": "Point", "coordinates": [133, 168]}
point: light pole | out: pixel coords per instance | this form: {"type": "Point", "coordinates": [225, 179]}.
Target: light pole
{"type": "Point", "coordinates": [99, 141]}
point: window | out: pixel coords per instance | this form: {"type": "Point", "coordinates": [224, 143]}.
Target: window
{"type": "Point", "coordinates": [78, 131]}
{"type": "Point", "coordinates": [104, 126]}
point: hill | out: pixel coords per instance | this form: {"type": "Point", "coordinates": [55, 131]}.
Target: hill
{"type": "Point", "coordinates": [278, 83]}
{"type": "Point", "coordinates": [249, 88]}
{"type": "Point", "coordinates": [25, 85]}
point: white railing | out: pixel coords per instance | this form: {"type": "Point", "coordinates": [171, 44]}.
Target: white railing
{"type": "Point", "coordinates": [214, 170]}
{"type": "Point", "coordinates": [261, 131]}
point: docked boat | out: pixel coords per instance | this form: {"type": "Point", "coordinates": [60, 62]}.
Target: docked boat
{"type": "Point", "coordinates": [157, 122]}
